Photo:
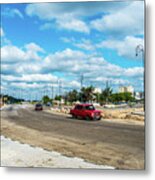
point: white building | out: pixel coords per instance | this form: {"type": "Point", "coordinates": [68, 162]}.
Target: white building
{"type": "Point", "coordinates": [123, 89]}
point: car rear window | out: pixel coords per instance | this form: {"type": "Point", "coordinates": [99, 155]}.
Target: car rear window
{"type": "Point", "coordinates": [79, 107]}
{"type": "Point", "coordinates": [38, 105]}
{"type": "Point", "coordinates": [91, 107]}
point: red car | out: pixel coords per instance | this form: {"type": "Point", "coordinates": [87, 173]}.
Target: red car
{"type": "Point", "coordinates": [86, 111]}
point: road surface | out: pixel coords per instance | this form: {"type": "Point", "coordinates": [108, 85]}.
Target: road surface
{"type": "Point", "coordinates": [104, 143]}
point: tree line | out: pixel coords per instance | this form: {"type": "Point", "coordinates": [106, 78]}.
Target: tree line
{"type": "Point", "coordinates": [88, 94]}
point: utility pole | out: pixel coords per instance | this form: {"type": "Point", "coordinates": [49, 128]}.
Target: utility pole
{"type": "Point", "coordinates": [52, 91]}
{"type": "Point", "coordinates": [107, 84]}
{"type": "Point", "coordinates": [81, 80]}
{"type": "Point", "coordinates": [59, 89]}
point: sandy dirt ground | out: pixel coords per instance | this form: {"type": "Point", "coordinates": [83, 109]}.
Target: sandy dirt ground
{"type": "Point", "coordinates": [15, 154]}
{"type": "Point", "coordinates": [102, 143]}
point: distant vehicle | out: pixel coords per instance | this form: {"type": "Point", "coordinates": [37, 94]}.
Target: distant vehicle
{"type": "Point", "coordinates": [38, 107]}
{"type": "Point", "coordinates": [85, 111]}
{"type": "Point", "coordinates": [48, 104]}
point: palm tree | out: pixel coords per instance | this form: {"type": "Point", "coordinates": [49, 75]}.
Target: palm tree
{"type": "Point", "coordinates": [87, 94]}
{"type": "Point", "coordinates": [72, 96]}
{"type": "Point", "coordinates": [105, 95]}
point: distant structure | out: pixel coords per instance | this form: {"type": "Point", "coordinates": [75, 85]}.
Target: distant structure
{"type": "Point", "coordinates": [139, 95]}
{"type": "Point", "coordinates": [97, 90]}
{"type": "Point", "coordinates": [1, 102]}
{"type": "Point", "coordinates": [123, 89]}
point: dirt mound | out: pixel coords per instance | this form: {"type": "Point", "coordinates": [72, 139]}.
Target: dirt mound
{"type": "Point", "coordinates": [123, 114]}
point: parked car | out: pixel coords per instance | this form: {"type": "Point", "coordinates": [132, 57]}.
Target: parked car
{"type": "Point", "coordinates": [86, 111]}
{"type": "Point", "coordinates": [38, 107]}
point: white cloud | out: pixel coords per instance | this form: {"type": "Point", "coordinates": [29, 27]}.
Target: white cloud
{"type": "Point", "coordinates": [67, 40]}
{"type": "Point", "coordinates": [28, 68]}
{"type": "Point", "coordinates": [33, 47]}
{"type": "Point", "coordinates": [25, 85]}
{"type": "Point", "coordinates": [68, 61]}
{"type": "Point", "coordinates": [72, 23]}
{"type": "Point", "coordinates": [75, 84]}
{"type": "Point", "coordinates": [26, 60]}
{"type": "Point", "coordinates": [113, 81]}
{"type": "Point", "coordinates": [85, 44]}
{"type": "Point", "coordinates": [134, 72]}
{"type": "Point", "coordinates": [18, 13]}
{"type": "Point", "coordinates": [1, 32]}
{"type": "Point", "coordinates": [64, 18]}
{"type": "Point", "coordinates": [46, 26]}
{"type": "Point", "coordinates": [30, 78]}
{"type": "Point", "coordinates": [76, 62]}
{"type": "Point", "coordinates": [48, 11]}
{"type": "Point", "coordinates": [69, 15]}
{"type": "Point", "coordinates": [20, 68]}
{"type": "Point", "coordinates": [126, 47]}
{"type": "Point", "coordinates": [69, 64]}
{"type": "Point", "coordinates": [10, 53]}
{"type": "Point", "coordinates": [119, 17]}
{"type": "Point", "coordinates": [32, 51]}
{"type": "Point", "coordinates": [128, 20]}
{"type": "Point", "coordinates": [8, 12]}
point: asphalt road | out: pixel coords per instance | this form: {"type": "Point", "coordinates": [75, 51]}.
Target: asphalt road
{"type": "Point", "coordinates": [130, 135]}
{"type": "Point", "coordinates": [130, 138]}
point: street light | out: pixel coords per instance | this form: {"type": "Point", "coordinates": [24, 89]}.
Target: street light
{"type": "Point", "coordinates": [140, 49]}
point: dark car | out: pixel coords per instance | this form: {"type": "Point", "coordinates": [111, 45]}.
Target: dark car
{"type": "Point", "coordinates": [38, 107]}
{"type": "Point", "coordinates": [86, 111]}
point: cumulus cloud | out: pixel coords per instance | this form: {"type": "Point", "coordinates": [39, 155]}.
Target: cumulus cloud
{"type": "Point", "coordinates": [34, 47]}
{"type": "Point", "coordinates": [128, 20]}
{"type": "Point", "coordinates": [13, 54]}
{"type": "Point", "coordinates": [10, 53]}
{"type": "Point", "coordinates": [112, 80]}
{"type": "Point", "coordinates": [24, 60]}
{"type": "Point", "coordinates": [83, 43]}
{"type": "Point", "coordinates": [118, 18]}
{"type": "Point", "coordinates": [47, 11]}
{"type": "Point", "coordinates": [92, 65]}
{"type": "Point", "coordinates": [72, 23]}
{"type": "Point", "coordinates": [126, 47]}
{"type": "Point", "coordinates": [71, 16]}
{"type": "Point", "coordinates": [134, 72]}
{"type": "Point", "coordinates": [68, 64]}
{"type": "Point", "coordinates": [64, 17]}
{"type": "Point", "coordinates": [30, 78]}
{"type": "Point", "coordinates": [25, 85]}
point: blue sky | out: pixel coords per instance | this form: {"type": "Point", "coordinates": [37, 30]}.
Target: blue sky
{"type": "Point", "coordinates": [46, 43]}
